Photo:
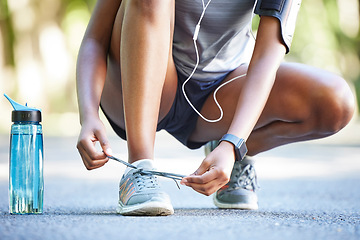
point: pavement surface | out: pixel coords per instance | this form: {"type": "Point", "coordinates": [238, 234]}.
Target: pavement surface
{"type": "Point", "coordinates": [308, 191]}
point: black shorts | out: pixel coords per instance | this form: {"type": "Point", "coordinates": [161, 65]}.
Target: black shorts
{"type": "Point", "coordinates": [181, 119]}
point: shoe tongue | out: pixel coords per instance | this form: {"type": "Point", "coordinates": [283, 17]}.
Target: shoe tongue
{"type": "Point", "coordinates": [146, 164]}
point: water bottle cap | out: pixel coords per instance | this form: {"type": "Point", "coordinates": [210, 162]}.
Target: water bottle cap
{"type": "Point", "coordinates": [23, 113]}
{"type": "Point", "coordinates": [26, 116]}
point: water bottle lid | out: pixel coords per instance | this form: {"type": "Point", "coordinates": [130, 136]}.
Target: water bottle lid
{"type": "Point", "coordinates": [26, 116]}
{"type": "Point", "coordinates": [23, 113]}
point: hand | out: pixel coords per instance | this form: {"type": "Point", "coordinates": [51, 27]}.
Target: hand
{"type": "Point", "coordinates": [214, 172]}
{"type": "Point", "coordinates": [93, 131]}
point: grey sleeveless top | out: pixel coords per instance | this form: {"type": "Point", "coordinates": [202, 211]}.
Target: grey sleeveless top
{"type": "Point", "coordinates": [224, 40]}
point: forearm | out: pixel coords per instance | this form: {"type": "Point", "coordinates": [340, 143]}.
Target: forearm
{"type": "Point", "coordinates": [92, 59]}
{"type": "Point", "coordinates": [267, 56]}
{"type": "Point", "coordinates": [90, 77]}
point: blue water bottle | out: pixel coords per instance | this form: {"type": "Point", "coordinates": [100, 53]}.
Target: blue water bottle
{"type": "Point", "coordinates": [26, 185]}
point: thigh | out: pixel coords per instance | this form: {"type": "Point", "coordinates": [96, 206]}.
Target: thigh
{"type": "Point", "coordinates": [300, 92]}
{"type": "Point", "coordinates": [111, 100]}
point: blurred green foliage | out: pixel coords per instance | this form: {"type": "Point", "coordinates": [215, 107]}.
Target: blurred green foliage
{"type": "Point", "coordinates": [7, 31]}
{"type": "Point", "coordinates": [327, 36]}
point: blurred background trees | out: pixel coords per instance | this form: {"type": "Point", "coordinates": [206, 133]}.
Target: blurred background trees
{"type": "Point", "coordinates": [39, 41]}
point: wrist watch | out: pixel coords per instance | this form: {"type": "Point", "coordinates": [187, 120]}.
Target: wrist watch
{"type": "Point", "coordinates": [239, 145]}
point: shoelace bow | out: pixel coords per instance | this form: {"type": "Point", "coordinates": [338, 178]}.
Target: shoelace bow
{"type": "Point", "coordinates": [141, 171]}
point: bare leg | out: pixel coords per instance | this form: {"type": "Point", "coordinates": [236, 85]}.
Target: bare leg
{"type": "Point", "coordinates": [148, 74]}
{"type": "Point", "coordinates": [305, 103]}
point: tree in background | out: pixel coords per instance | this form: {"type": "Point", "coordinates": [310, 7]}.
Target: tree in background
{"type": "Point", "coordinates": [7, 34]}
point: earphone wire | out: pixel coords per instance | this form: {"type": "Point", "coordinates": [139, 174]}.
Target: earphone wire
{"type": "Point", "coordinates": [195, 36]}
{"type": "Point", "coordinates": [252, 17]}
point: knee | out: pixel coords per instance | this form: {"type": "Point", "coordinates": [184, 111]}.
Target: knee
{"type": "Point", "coordinates": [151, 9]}
{"type": "Point", "coordinates": [335, 107]}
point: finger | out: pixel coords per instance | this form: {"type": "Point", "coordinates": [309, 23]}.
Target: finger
{"type": "Point", "coordinates": [207, 183]}
{"type": "Point", "coordinates": [88, 145]}
{"type": "Point", "coordinates": [98, 163]}
{"type": "Point", "coordinates": [91, 164]}
{"type": "Point", "coordinates": [208, 188]}
{"type": "Point", "coordinates": [91, 158]}
{"type": "Point", "coordinates": [202, 179]}
{"type": "Point", "coordinates": [204, 167]}
{"type": "Point", "coordinates": [104, 142]}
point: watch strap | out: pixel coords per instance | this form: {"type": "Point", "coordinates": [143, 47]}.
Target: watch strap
{"type": "Point", "coordinates": [239, 145]}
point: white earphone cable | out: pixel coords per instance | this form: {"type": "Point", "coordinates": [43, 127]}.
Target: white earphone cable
{"type": "Point", "coordinates": [195, 36]}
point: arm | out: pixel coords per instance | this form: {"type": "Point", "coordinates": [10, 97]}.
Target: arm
{"type": "Point", "coordinates": [268, 54]}
{"type": "Point", "coordinates": [269, 51]}
{"type": "Point", "coordinates": [90, 79]}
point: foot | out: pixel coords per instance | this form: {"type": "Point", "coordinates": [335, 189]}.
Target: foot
{"type": "Point", "coordinates": [140, 194]}
{"type": "Point", "coordinates": [239, 192]}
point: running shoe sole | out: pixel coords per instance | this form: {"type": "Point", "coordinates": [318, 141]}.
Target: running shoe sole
{"type": "Point", "coordinates": [149, 208]}
{"type": "Point", "coordinates": [242, 205]}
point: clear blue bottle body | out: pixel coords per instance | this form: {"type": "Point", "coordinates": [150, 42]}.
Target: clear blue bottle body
{"type": "Point", "coordinates": [26, 182]}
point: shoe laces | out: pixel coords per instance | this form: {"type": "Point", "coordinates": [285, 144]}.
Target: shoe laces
{"type": "Point", "coordinates": [148, 175]}
{"type": "Point", "coordinates": [144, 180]}
{"type": "Point", "coordinates": [244, 176]}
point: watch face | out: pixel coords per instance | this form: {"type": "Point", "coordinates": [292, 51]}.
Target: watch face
{"type": "Point", "coordinates": [242, 150]}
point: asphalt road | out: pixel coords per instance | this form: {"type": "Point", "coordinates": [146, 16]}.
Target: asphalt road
{"type": "Point", "coordinates": [308, 191]}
